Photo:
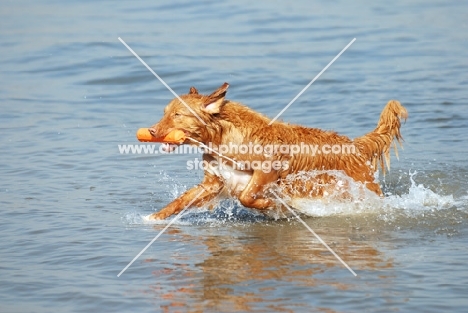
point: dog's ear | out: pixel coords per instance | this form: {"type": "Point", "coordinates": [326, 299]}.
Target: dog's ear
{"type": "Point", "coordinates": [213, 103]}
{"type": "Point", "coordinates": [193, 91]}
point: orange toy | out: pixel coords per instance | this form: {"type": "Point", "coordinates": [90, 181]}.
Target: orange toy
{"type": "Point", "coordinates": [175, 136]}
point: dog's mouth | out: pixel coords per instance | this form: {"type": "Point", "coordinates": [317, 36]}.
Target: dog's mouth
{"type": "Point", "coordinates": [171, 146]}
{"type": "Point", "coordinates": [169, 141]}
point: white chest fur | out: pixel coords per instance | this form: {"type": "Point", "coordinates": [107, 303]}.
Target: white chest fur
{"type": "Point", "coordinates": [235, 180]}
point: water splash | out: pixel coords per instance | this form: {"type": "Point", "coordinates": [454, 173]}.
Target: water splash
{"type": "Point", "coordinates": [227, 211]}
{"type": "Point", "coordinates": [405, 198]}
{"type": "Point", "coordinates": [343, 196]}
{"type": "Point", "coordinates": [416, 200]}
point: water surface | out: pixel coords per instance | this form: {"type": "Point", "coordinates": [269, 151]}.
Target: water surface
{"type": "Point", "coordinates": [72, 206]}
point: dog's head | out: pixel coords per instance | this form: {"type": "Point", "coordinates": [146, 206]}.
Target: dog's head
{"type": "Point", "coordinates": [193, 115]}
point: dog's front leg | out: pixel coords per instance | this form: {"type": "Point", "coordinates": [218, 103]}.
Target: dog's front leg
{"type": "Point", "coordinates": [209, 189]}
{"type": "Point", "coordinates": [253, 196]}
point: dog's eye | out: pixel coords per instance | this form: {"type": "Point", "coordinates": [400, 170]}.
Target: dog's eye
{"type": "Point", "coordinates": [177, 115]}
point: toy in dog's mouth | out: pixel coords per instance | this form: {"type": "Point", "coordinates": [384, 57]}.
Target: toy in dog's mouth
{"type": "Point", "coordinates": [170, 142]}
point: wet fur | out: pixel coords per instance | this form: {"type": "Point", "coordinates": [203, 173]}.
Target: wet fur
{"type": "Point", "coordinates": [231, 122]}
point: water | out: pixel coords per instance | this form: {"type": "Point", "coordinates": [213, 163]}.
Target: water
{"type": "Point", "coordinates": [72, 206]}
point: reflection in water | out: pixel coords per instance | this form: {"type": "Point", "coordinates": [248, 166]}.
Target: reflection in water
{"type": "Point", "coordinates": [257, 264]}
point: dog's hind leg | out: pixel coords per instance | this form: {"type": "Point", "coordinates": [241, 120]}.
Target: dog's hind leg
{"type": "Point", "coordinates": [209, 189]}
{"type": "Point", "coordinates": [374, 187]}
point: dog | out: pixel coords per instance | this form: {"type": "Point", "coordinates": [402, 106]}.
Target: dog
{"type": "Point", "coordinates": [213, 121]}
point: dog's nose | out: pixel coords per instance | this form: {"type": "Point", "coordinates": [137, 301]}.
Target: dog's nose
{"type": "Point", "coordinates": [152, 131]}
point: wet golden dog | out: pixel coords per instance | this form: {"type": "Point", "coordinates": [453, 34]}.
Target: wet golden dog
{"type": "Point", "coordinates": [219, 122]}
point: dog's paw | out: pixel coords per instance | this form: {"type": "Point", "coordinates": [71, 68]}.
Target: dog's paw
{"type": "Point", "coordinates": [155, 217]}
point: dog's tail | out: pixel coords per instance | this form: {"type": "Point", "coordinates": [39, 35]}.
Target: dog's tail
{"type": "Point", "coordinates": [376, 144]}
